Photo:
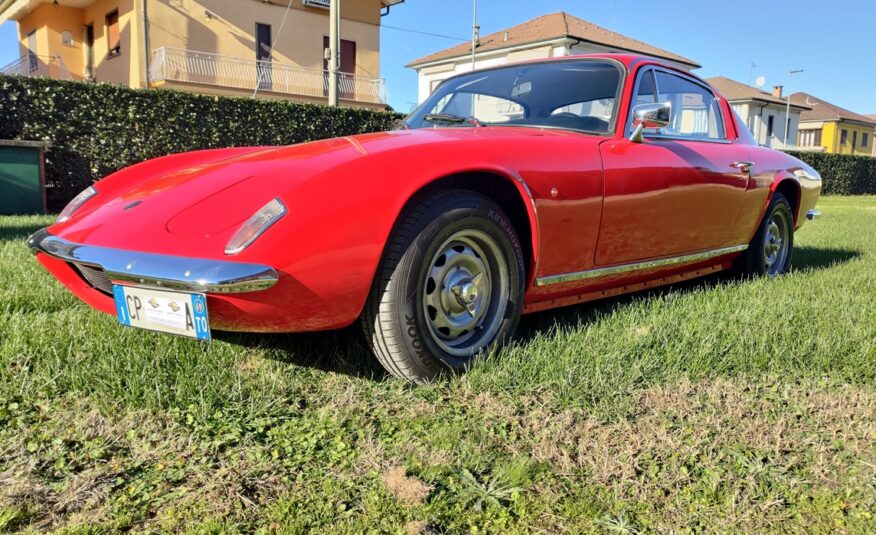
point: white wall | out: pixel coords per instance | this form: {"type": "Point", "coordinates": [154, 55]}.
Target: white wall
{"type": "Point", "coordinates": [757, 120]}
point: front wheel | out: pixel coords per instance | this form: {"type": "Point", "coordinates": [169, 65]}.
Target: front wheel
{"type": "Point", "coordinates": [769, 252]}
{"type": "Point", "coordinates": [450, 286]}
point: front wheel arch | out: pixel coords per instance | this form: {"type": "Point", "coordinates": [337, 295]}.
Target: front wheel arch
{"type": "Point", "coordinates": [418, 338]}
{"type": "Point", "coordinates": [510, 193]}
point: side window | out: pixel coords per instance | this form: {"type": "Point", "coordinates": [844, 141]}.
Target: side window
{"type": "Point", "coordinates": [696, 112]}
{"type": "Point", "coordinates": [647, 93]}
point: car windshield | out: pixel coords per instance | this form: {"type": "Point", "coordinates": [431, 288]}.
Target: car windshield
{"type": "Point", "coordinates": [569, 94]}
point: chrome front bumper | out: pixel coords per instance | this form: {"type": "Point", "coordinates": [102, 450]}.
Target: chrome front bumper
{"type": "Point", "coordinates": [158, 270]}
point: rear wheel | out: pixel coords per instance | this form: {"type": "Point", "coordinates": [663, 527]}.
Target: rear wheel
{"type": "Point", "coordinates": [769, 252]}
{"type": "Point", "coordinates": [450, 286]}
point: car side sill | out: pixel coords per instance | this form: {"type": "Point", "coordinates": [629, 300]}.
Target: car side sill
{"type": "Point", "coordinates": [637, 266]}
{"type": "Point", "coordinates": [169, 272]}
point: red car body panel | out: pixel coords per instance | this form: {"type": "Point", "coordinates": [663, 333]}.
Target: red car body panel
{"type": "Point", "coordinates": [591, 201]}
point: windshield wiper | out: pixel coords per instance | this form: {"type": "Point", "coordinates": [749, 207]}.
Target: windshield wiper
{"type": "Point", "coordinates": [450, 118]}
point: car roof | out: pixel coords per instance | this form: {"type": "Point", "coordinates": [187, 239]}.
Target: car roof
{"type": "Point", "coordinates": [629, 61]}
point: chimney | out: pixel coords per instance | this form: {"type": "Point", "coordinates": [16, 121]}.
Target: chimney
{"type": "Point", "coordinates": [777, 90]}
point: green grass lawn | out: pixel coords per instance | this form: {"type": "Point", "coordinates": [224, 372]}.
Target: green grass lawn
{"type": "Point", "coordinates": [715, 406]}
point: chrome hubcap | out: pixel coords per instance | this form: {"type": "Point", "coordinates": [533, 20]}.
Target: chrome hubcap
{"type": "Point", "coordinates": [466, 292]}
{"type": "Point", "coordinates": [775, 245]}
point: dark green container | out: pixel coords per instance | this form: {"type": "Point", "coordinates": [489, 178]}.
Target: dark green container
{"type": "Point", "coordinates": [22, 177]}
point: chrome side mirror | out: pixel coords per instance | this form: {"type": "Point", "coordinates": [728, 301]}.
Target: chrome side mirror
{"type": "Point", "coordinates": [645, 116]}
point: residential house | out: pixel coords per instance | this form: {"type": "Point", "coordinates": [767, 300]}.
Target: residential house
{"type": "Point", "coordinates": [835, 129]}
{"type": "Point", "coordinates": [764, 113]}
{"type": "Point", "coordinates": [553, 35]}
{"type": "Point", "coordinates": [226, 47]}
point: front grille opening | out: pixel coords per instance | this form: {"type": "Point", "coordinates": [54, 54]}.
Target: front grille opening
{"type": "Point", "coordinates": [95, 277]}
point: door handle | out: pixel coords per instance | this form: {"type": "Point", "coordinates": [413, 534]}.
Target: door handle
{"type": "Point", "coordinates": [743, 166]}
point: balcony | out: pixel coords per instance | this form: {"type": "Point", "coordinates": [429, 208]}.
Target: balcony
{"type": "Point", "coordinates": [174, 65]}
{"type": "Point", "coordinates": [33, 65]}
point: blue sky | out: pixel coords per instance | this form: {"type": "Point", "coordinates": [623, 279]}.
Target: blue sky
{"type": "Point", "coordinates": [834, 45]}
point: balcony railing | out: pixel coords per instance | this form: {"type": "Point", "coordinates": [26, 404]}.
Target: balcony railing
{"type": "Point", "coordinates": [178, 65]}
{"type": "Point", "coordinates": [33, 65]}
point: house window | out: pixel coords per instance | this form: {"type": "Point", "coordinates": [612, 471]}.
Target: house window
{"type": "Point", "coordinates": [347, 77]}
{"type": "Point", "coordinates": [844, 137]}
{"type": "Point", "coordinates": [854, 139]}
{"type": "Point", "coordinates": [865, 140]}
{"type": "Point", "coordinates": [32, 58]}
{"type": "Point", "coordinates": [113, 38]}
{"type": "Point", "coordinates": [770, 122]}
{"type": "Point", "coordinates": [263, 51]}
{"type": "Point", "coordinates": [809, 138]}
{"type": "Point", "coordinates": [88, 41]}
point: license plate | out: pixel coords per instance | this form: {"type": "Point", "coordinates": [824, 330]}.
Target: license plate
{"type": "Point", "coordinates": [179, 313]}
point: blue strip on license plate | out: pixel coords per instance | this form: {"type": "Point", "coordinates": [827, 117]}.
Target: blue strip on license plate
{"type": "Point", "coordinates": [179, 313]}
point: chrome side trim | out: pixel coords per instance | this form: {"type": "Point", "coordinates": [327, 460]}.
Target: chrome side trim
{"type": "Point", "coordinates": [812, 214]}
{"type": "Point", "coordinates": [637, 266]}
{"type": "Point", "coordinates": [157, 270]}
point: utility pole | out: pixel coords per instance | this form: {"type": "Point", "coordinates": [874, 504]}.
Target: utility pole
{"type": "Point", "coordinates": [334, 60]}
{"type": "Point", "coordinates": [475, 30]}
{"type": "Point", "coordinates": [788, 107]}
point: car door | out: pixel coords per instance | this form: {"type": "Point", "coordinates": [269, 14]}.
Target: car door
{"type": "Point", "coordinates": [677, 191]}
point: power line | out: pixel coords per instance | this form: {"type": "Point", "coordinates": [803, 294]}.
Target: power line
{"type": "Point", "coordinates": [423, 33]}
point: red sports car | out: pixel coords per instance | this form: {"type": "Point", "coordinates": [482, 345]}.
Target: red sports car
{"type": "Point", "coordinates": [509, 190]}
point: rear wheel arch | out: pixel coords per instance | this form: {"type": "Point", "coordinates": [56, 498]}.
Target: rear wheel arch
{"type": "Point", "coordinates": [790, 188]}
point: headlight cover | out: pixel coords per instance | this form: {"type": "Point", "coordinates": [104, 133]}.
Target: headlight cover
{"type": "Point", "coordinates": [255, 226]}
{"type": "Point", "coordinates": [77, 201]}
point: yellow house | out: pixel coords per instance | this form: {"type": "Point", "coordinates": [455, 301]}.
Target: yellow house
{"type": "Point", "coordinates": [275, 48]}
{"type": "Point", "coordinates": [833, 129]}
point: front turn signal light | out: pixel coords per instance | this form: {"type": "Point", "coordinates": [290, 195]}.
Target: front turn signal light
{"type": "Point", "coordinates": [255, 226]}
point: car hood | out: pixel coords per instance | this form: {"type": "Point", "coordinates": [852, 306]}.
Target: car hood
{"type": "Point", "coordinates": [211, 193]}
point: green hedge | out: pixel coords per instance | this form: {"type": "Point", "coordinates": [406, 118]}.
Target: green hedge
{"type": "Point", "coordinates": [97, 129]}
{"type": "Point", "coordinates": [842, 174]}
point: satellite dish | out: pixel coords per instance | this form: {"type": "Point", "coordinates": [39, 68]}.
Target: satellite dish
{"type": "Point", "coordinates": [759, 81]}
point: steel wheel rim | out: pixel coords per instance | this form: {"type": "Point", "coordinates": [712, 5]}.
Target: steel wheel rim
{"type": "Point", "coordinates": [776, 243]}
{"type": "Point", "coordinates": [466, 292]}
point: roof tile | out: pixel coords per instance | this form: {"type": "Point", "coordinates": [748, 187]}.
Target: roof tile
{"type": "Point", "coordinates": [733, 90]}
{"type": "Point", "coordinates": [821, 110]}
{"type": "Point", "coordinates": [553, 26]}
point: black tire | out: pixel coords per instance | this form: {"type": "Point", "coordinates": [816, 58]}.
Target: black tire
{"type": "Point", "coordinates": [409, 326]}
{"type": "Point", "coordinates": [778, 221]}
